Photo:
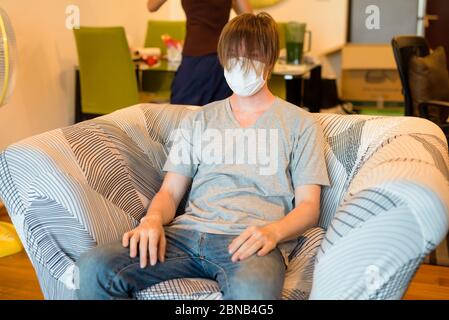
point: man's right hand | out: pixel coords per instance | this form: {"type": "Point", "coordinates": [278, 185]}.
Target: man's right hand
{"type": "Point", "coordinates": [149, 239]}
{"type": "Point", "coordinates": [149, 236]}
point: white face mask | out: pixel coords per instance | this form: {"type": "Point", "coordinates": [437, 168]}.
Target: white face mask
{"type": "Point", "coordinates": [243, 83]}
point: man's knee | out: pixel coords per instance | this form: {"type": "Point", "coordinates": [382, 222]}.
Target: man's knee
{"type": "Point", "coordinates": [95, 268]}
{"type": "Point", "coordinates": [257, 278]}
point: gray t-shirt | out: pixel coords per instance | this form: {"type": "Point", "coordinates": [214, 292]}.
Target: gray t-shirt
{"type": "Point", "coordinates": [245, 176]}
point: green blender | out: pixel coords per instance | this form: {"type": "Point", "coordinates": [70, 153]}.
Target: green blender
{"type": "Point", "coordinates": [295, 33]}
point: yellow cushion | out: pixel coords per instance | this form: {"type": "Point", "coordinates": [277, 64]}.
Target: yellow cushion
{"type": "Point", "coordinates": [9, 241]}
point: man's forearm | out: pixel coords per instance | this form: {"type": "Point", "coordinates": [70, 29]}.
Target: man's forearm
{"type": "Point", "coordinates": [162, 206]}
{"type": "Point", "coordinates": [299, 220]}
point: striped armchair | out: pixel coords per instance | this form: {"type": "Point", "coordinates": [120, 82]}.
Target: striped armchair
{"type": "Point", "coordinates": [73, 188]}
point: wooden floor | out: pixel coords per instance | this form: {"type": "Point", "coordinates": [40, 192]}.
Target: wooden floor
{"type": "Point", "coordinates": [18, 280]}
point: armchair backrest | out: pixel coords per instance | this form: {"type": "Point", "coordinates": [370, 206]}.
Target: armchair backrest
{"type": "Point", "coordinates": [157, 28]}
{"type": "Point", "coordinates": [352, 143]}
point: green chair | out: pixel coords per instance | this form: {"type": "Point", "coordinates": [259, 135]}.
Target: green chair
{"type": "Point", "coordinates": [107, 74]}
{"type": "Point", "coordinates": [159, 82]}
{"type": "Point", "coordinates": [157, 28]}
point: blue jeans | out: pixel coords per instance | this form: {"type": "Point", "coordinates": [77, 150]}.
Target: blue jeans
{"type": "Point", "coordinates": [108, 272]}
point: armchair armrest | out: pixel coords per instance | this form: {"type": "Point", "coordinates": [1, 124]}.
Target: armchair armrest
{"type": "Point", "coordinates": [73, 188]}
{"type": "Point", "coordinates": [395, 211]}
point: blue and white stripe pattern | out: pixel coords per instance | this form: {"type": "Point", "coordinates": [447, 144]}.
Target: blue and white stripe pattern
{"type": "Point", "coordinates": [387, 208]}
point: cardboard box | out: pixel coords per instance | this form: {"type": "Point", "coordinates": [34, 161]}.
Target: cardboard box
{"type": "Point", "coordinates": [369, 73]}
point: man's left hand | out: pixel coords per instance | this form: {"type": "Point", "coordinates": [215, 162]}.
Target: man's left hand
{"type": "Point", "coordinates": [254, 239]}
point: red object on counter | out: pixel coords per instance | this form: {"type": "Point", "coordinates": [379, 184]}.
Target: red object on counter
{"type": "Point", "coordinates": [151, 61]}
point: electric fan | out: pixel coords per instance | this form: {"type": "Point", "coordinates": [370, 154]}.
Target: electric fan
{"type": "Point", "coordinates": [7, 58]}
{"type": "Point", "coordinates": [9, 242]}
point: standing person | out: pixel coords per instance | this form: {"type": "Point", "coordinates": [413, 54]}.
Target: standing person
{"type": "Point", "coordinates": [199, 80]}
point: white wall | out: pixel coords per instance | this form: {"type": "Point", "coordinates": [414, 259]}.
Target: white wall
{"type": "Point", "coordinates": [44, 95]}
{"type": "Point", "coordinates": [327, 19]}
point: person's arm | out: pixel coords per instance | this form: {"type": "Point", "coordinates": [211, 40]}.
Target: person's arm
{"type": "Point", "coordinates": [303, 217]}
{"type": "Point", "coordinates": [166, 201]}
{"type": "Point", "coordinates": [154, 5]}
{"type": "Point", "coordinates": [262, 240]}
{"type": "Point", "coordinates": [149, 236]}
{"type": "Point", "coordinates": [241, 6]}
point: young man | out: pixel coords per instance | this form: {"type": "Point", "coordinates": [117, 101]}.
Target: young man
{"type": "Point", "coordinates": [255, 164]}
